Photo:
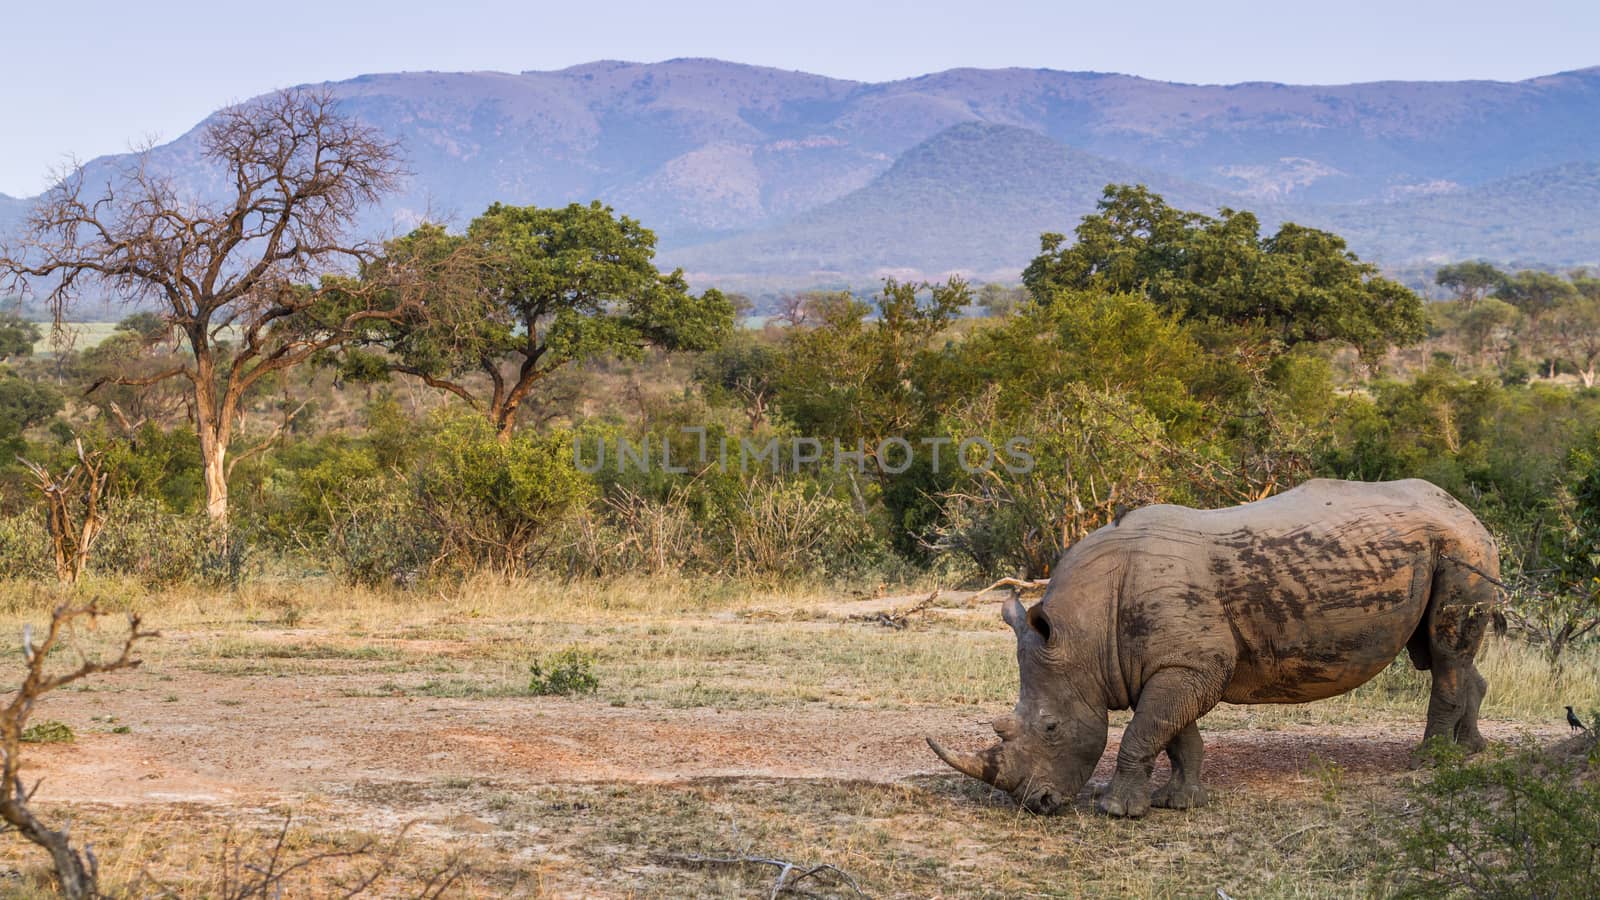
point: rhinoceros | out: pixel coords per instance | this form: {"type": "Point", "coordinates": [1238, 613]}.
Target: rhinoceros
{"type": "Point", "coordinates": [1298, 597]}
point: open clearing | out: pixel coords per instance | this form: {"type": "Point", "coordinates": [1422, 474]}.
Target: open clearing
{"type": "Point", "coordinates": [723, 726]}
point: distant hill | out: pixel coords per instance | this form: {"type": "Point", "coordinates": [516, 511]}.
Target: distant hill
{"type": "Point", "coordinates": [972, 192]}
{"type": "Point", "coordinates": [757, 172]}
{"type": "Point", "coordinates": [12, 211]}
{"type": "Point", "coordinates": [1548, 216]}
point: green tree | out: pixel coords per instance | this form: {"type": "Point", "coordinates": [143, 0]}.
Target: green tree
{"type": "Point", "coordinates": [528, 290]}
{"type": "Point", "coordinates": [742, 372]}
{"type": "Point", "coordinates": [1535, 293]}
{"type": "Point", "coordinates": [867, 382]}
{"type": "Point", "coordinates": [1484, 324]}
{"type": "Point", "coordinates": [150, 327]}
{"type": "Point", "coordinates": [1298, 285]}
{"type": "Point", "coordinates": [1469, 281]}
{"type": "Point", "coordinates": [23, 405]}
{"type": "Point", "coordinates": [855, 379]}
{"type": "Point", "coordinates": [1122, 405]}
{"type": "Point", "coordinates": [17, 336]}
{"type": "Point", "coordinates": [1001, 300]}
{"type": "Point", "coordinates": [1576, 334]}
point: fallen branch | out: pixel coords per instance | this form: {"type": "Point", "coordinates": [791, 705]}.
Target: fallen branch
{"type": "Point", "coordinates": [898, 618]}
{"type": "Point", "coordinates": [1016, 584]}
{"type": "Point", "coordinates": [785, 869]}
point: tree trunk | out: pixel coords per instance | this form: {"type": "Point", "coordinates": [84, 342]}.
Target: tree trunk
{"type": "Point", "coordinates": [505, 423]}
{"type": "Point", "coordinates": [212, 428]}
{"type": "Point", "coordinates": [214, 467]}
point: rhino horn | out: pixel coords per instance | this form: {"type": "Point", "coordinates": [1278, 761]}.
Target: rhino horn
{"type": "Point", "coordinates": [983, 766]}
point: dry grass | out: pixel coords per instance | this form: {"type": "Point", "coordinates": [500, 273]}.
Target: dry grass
{"type": "Point", "coordinates": [926, 838]}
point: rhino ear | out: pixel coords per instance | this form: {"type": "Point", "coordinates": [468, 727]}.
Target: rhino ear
{"type": "Point", "coordinates": [1039, 621]}
{"type": "Point", "coordinates": [1014, 615]}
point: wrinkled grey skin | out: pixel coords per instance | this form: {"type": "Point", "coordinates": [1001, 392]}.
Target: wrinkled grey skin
{"type": "Point", "coordinates": [1299, 597]}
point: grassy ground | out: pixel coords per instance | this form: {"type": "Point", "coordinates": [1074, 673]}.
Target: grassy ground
{"type": "Point", "coordinates": [82, 336]}
{"type": "Point", "coordinates": [738, 696]}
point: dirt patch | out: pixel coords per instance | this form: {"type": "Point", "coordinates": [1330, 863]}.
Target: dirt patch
{"type": "Point", "coordinates": [229, 739]}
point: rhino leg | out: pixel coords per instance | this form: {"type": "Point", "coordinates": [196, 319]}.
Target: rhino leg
{"type": "Point", "coordinates": [1453, 706]}
{"type": "Point", "coordinates": [1455, 631]}
{"type": "Point", "coordinates": [1183, 790]}
{"type": "Point", "coordinates": [1168, 705]}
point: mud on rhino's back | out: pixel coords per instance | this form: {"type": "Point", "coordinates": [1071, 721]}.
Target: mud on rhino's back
{"type": "Point", "coordinates": [1323, 585]}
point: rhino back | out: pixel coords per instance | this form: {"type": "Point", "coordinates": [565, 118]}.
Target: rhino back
{"type": "Point", "coordinates": [1311, 592]}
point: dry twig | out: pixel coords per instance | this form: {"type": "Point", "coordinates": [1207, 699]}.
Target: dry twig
{"type": "Point", "coordinates": [790, 874]}
{"type": "Point", "coordinates": [898, 618]}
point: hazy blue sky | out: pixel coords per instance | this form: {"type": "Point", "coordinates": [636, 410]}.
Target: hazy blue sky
{"type": "Point", "coordinates": [92, 77]}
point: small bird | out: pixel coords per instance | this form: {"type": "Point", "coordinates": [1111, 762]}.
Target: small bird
{"type": "Point", "coordinates": [1574, 721]}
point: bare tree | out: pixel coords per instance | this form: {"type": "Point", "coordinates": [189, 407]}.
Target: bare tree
{"type": "Point", "coordinates": [246, 280]}
{"type": "Point", "coordinates": [76, 871]}
{"type": "Point", "coordinates": [74, 509]}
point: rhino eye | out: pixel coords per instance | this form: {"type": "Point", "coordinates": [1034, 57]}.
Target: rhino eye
{"type": "Point", "coordinates": [1050, 726]}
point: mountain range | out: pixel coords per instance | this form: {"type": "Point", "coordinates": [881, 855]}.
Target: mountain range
{"type": "Point", "coordinates": [755, 177]}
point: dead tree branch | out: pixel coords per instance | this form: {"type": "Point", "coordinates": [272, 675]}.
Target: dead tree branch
{"type": "Point", "coordinates": [790, 874]}
{"type": "Point", "coordinates": [268, 875]}
{"type": "Point", "coordinates": [898, 618]}
{"type": "Point", "coordinates": [74, 509]}
{"type": "Point", "coordinates": [77, 872]}
{"type": "Point", "coordinates": [1016, 584]}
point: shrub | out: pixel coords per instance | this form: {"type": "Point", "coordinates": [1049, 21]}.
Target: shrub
{"type": "Point", "coordinates": [498, 504]}
{"type": "Point", "coordinates": [1091, 454]}
{"type": "Point", "coordinates": [377, 534]}
{"type": "Point", "coordinates": [48, 732]}
{"type": "Point", "coordinates": [784, 528]}
{"type": "Point", "coordinates": [162, 548]}
{"type": "Point", "coordinates": [24, 546]}
{"type": "Point", "coordinates": [569, 672]}
{"type": "Point", "coordinates": [1516, 823]}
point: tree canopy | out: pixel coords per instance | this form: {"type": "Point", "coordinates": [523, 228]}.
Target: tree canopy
{"type": "Point", "coordinates": [526, 290]}
{"type": "Point", "coordinates": [1535, 293]}
{"type": "Point", "coordinates": [17, 336]}
{"type": "Point", "coordinates": [1297, 285]}
{"type": "Point", "coordinates": [1470, 281]}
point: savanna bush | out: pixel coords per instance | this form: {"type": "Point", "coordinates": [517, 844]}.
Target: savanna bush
{"type": "Point", "coordinates": [782, 528]}
{"type": "Point", "coordinates": [760, 527]}
{"type": "Point", "coordinates": [1514, 823]}
{"type": "Point", "coordinates": [25, 546]}
{"type": "Point", "coordinates": [145, 540]}
{"type": "Point", "coordinates": [1091, 453]}
{"type": "Point", "coordinates": [571, 671]}
{"type": "Point", "coordinates": [377, 534]}
{"type": "Point", "coordinates": [497, 504]}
